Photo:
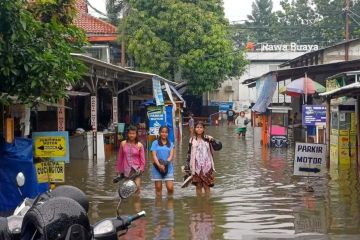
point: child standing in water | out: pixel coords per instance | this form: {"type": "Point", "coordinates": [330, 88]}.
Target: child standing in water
{"type": "Point", "coordinates": [241, 121]}
{"type": "Point", "coordinates": [131, 157]}
{"type": "Point", "coordinates": [191, 125]}
{"type": "Point", "coordinates": [201, 160]}
{"type": "Point", "coordinates": [162, 151]}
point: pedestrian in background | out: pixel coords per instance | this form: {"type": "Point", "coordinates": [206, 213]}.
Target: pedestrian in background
{"type": "Point", "coordinates": [241, 122]}
{"type": "Point", "coordinates": [201, 160]}
{"type": "Point", "coordinates": [131, 156]}
{"type": "Point", "coordinates": [191, 123]}
{"type": "Point", "coordinates": [162, 151]}
{"type": "Point", "coordinates": [230, 117]}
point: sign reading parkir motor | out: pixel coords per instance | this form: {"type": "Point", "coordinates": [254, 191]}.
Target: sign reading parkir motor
{"type": "Point", "coordinates": [54, 145]}
{"type": "Point", "coordinates": [50, 172]}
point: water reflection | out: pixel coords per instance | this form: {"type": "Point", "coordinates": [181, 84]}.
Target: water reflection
{"type": "Point", "coordinates": [255, 197]}
{"type": "Point", "coordinates": [163, 218]}
{"type": "Point", "coordinates": [202, 221]}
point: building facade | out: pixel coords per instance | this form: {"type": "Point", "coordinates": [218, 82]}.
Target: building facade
{"type": "Point", "coordinates": [262, 61]}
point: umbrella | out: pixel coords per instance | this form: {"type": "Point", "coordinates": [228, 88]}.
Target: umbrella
{"type": "Point", "coordinates": [297, 88]}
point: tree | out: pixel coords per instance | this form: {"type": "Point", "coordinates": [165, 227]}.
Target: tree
{"type": "Point", "coordinates": [36, 40]}
{"type": "Point", "coordinates": [188, 37]}
{"type": "Point", "coordinates": [114, 9]}
{"type": "Point", "coordinates": [298, 22]}
{"type": "Point", "coordinates": [262, 21]}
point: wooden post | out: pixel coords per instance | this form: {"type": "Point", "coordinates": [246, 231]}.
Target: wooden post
{"type": "Point", "coordinates": [328, 130]}
{"type": "Point", "coordinates": [358, 130]}
{"type": "Point", "coordinates": [347, 29]}
{"type": "Point", "coordinates": [9, 130]}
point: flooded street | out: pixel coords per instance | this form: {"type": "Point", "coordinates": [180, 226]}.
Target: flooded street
{"type": "Point", "coordinates": [255, 197]}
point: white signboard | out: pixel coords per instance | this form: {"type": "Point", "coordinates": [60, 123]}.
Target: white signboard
{"type": "Point", "coordinates": [115, 109]}
{"type": "Point", "coordinates": [61, 116]}
{"type": "Point", "coordinates": [93, 113]}
{"type": "Point", "coordinates": [310, 159]}
{"type": "Point", "coordinates": [158, 95]}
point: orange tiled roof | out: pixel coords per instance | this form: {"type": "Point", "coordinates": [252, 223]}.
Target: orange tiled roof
{"type": "Point", "coordinates": [91, 24]}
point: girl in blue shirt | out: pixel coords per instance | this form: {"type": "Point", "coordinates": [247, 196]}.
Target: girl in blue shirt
{"type": "Point", "coordinates": [162, 151]}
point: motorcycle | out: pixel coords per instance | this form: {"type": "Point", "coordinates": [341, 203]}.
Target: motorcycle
{"type": "Point", "coordinates": [10, 227]}
{"type": "Point", "coordinates": [30, 222]}
{"type": "Point", "coordinates": [111, 228]}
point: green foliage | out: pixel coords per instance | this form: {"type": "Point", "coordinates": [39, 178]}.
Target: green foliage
{"type": "Point", "coordinates": [113, 9]}
{"type": "Point", "coordinates": [35, 45]}
{"type": "Point", "coordinates": [307, 21]}
{"type": "Point", "coordinates": [262, 20]}
{"type": "Point", "coordinates": [189, 37]}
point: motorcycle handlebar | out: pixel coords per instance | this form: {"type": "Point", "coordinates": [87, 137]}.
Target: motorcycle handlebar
{"type": "Point", "coordinates": [131, 177]}
{"type": "Point", "coordinates": [136, 216]}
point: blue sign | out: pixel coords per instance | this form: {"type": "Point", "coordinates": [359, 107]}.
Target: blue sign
{"type": "Point", "coordinates": [223, 106]}
{"type": "Point", "coordinates": [53, 145]}
{"type": "Point", "coordinates": [157, 91]}
{"type": "Point", "coordinates": [156, 120]}
{"type": "Point", "coordinates": [313, 115]}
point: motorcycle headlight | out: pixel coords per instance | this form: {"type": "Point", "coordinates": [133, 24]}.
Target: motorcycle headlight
{"type": "Point", "coordinates": [104, 227]}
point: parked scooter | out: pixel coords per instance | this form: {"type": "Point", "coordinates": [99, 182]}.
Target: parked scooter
{"type": "Point", "coordinates": [52, 216]}
{"type": "Point", "coordinates": [111, 228]}
{"type": "Point", "coordinates": [10, 227]}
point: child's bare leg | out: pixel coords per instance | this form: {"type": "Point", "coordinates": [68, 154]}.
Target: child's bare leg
{"type": "Point", "coordinates": [198, 189]}
{"type": "Point", "coordinates": [138, 184]}
{"type": "Point", "coordinates": [158, 188]}
{"type": "Point", "coordinates": [207, 189]}
{"type": "Point", "coordinates": [170, 187]}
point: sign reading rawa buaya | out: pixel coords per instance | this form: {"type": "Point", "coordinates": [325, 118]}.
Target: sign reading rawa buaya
{"type": "Point", "coordinates": [310, 159]}
{"type": "Point", "coordinates": [292, 47]}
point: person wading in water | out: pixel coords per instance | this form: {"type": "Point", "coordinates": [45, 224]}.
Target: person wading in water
{"type": "Point", "coordinates": [162, 151]}
{"type": "Point", "coordinates": [131, 156]}
{"type": "Point", "coordinates": [201, 160]}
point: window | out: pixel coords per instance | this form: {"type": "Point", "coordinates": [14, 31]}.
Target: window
{"type": "Point", "coordinates": [98, 52]}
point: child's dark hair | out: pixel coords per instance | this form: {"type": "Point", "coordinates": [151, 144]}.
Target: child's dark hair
{"type": "Point", "coordinates": [168, 144]}
{"type": "Point", "coordinates": [203, 125]}
{"type": "Point", "coordinates": [133, 128]}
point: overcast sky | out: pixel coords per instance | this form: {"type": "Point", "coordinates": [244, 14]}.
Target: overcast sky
{"type": "Point", "coordinates": [235, 10]}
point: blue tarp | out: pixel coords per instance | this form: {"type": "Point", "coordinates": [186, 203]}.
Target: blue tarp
{"type": "Point", "coordinates": [169, 123]}
{"type": "Point", "coordinates": [15, 158]}
{"type": "Point", "coordinates": [266, 94]}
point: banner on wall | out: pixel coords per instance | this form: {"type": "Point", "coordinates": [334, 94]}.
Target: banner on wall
{"type": "Point", "coordinates": [313, 115]}
{"type": "Point", "coordinates": [157, 91]}
{"type": "Point", "coordinates": [156, 116]}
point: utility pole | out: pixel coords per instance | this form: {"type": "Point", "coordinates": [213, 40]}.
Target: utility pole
{"type": "Point", "coordinates": [123, 32]}
{"type": "Point", "coordinates": [347, 32]}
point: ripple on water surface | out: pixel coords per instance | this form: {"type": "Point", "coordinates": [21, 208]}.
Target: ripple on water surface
{"type": "Point", "coordinates": [255, 197]}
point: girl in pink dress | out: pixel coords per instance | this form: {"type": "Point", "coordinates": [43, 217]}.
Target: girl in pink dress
{"type": "Point", "coordinates": [131, 156]}
{"type": "Point", "coordinates": [201, 160]}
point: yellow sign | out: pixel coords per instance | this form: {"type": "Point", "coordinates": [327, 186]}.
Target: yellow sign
{"type": "Point", "coordinates": [334, 132]}
{"type": "Point", "coordinates": [50, 172]}
{"type": "Point", "coordinates": [344, 132]}
{"type": "Point", "coordinates": [353, 122]}
{"type": "Point", "coordinates": [50, 146]}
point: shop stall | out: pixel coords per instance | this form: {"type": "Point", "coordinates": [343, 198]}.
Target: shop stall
{"type": "Point", "coordinates": [343, 135]}
{"type": "Point", "coordinates": [278, 122]}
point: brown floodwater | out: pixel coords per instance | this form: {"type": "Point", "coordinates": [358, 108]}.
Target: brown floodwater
{"type": "Point", "coordinates": [255, 197]}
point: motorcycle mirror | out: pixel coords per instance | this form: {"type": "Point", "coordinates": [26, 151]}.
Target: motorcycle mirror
{"type": "Point", "coordinates": [127, 188]}
{"type": "Point", "coordinates": [20, 179]}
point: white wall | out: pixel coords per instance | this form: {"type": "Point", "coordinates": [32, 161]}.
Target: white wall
{"type": "Point", "coordinates": [260, 63]}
